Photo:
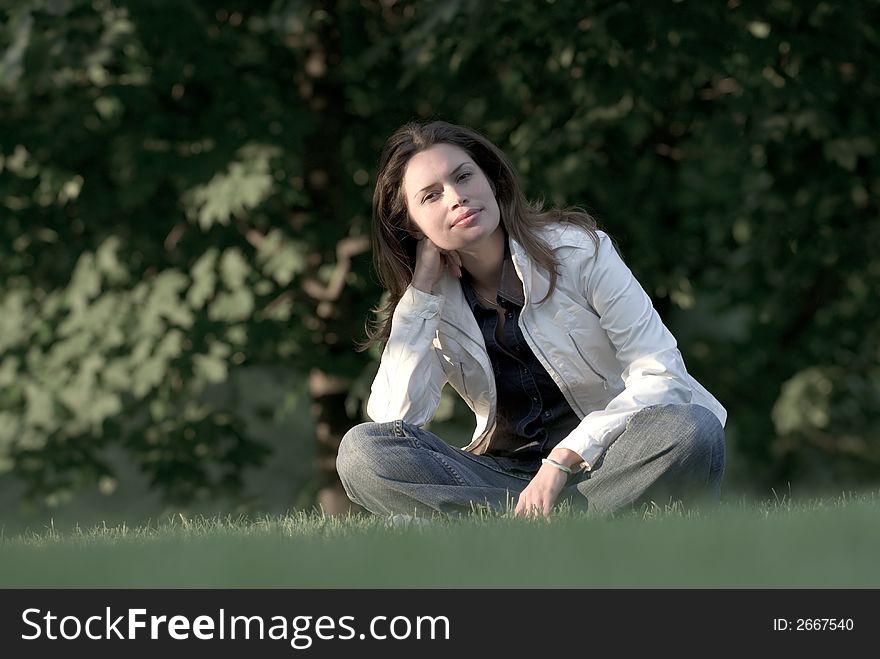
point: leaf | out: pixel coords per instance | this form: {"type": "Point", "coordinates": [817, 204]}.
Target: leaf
{"type": "Point", "coordinates": [39, 408]}
{"type": "Point", "coordinates": [234, 269]}
{"type": "Point", "coordinates": [204, 279]}
{"type": "Point", "coordinates": [804, 402]}
{"type": "Point", "coordinates": [845, 152]}
{"type": "Point", "coordinates": [85, 283]}
{"type": "Point", "coordinates": [281, 258]}
{"type": "Point", "coordinates": [245, 184]}
{"type": "Point", "coordinates": [107, 261]}
{"type": "Point", "coordinates": [232, 307]}
{"type": "Point", "coordinates": [213, 367]}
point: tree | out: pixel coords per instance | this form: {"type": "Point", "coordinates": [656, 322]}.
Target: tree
{"type": "Point", "coordinates": [185, 191]}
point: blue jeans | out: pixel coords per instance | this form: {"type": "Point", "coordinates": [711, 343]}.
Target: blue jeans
{"type": "Point", "coordinates": [666, 452]}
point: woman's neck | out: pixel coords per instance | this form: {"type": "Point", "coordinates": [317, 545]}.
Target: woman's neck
{"type": "Point", "coordinates": [483, 260]}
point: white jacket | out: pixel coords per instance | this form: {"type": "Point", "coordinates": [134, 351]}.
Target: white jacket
{"type": "Point", "coordinates": [597, 335]}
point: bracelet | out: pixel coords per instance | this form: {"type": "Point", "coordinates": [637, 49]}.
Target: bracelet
{"type": "Point", "coordinates": [560, 467]}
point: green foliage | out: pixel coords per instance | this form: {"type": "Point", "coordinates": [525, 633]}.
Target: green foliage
{"type": "Point", "coordinates": [176, 179]}
{"type": "Point", "coordinates": [245, 184]}
{"type": "Point", "coordinates": [155, 230]}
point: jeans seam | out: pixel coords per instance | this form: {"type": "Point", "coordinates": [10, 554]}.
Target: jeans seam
{"type": "Point", "coordinates": [415, 441]}
{"type": "Point", "coordinates": [400, 431]}
{"type": "Point", "coordinates": [497, 469]}
{"type": "Point", "coordinates": [717, 447]}
{"type": "Point", "coordinates": [442, 461]}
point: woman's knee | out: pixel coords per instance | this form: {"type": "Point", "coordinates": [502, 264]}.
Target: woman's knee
{"type": "Point", "coordinates": [359, 447]}
{"type": "Point", "coordinates": [692, 432]}
{"type": "Point", "coordinates": [700, 437]}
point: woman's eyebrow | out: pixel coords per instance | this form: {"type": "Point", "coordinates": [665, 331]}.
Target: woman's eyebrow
{"type": "Point", "coordinates": [452, 173]}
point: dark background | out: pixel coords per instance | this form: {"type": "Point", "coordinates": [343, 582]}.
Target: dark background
{"type": "Point", "coordinates": [184, 219]}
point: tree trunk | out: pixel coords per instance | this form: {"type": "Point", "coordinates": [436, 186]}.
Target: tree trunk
{"type": "Point", "coordinates": [321, 89]}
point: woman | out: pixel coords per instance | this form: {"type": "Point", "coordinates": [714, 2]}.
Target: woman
{"type": "Point", "coordinates": [578, 389]}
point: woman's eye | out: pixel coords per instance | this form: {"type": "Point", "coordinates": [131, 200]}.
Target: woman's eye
{"type": "Point", "coordinates": [431, 195]}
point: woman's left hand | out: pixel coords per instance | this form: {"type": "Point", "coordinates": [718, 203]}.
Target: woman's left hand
{"type": "Point", "coordinates": [541, 493]}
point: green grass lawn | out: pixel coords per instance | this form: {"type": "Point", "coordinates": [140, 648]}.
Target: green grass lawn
{"type": "Point", "coordinates": [812, 544]}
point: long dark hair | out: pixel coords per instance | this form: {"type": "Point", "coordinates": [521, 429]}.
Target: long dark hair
{"type": "Point", "coordinates": [394, 245]}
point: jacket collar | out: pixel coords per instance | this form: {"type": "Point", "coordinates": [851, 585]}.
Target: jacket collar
{"type": "Point", "coordinates": [535, 280]}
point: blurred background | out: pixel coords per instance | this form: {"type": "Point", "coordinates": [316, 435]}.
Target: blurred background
{"type": "Point", "coordinates": [184, 225]}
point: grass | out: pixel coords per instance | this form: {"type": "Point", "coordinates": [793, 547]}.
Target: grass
{"type": "Point", "coordinates": [818, 543]}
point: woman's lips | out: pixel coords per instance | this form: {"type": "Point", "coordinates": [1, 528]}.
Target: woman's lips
{"type": "Point", "coordinates": [467, 221]}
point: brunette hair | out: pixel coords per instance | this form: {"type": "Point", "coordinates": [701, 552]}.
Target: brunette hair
{"type": "Point", "coordinates": [394, 245]}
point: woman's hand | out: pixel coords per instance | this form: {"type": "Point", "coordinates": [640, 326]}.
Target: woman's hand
{"type": "Point", "coordinates": [543, 490]}
{"type": "Point", "coordinates": [541, 493]}
{"type": "Point", "coordinates": [430, 261]}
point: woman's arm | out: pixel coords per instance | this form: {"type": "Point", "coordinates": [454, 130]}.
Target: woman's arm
{"type": "Point", "coordinates": [653, 369]}
{"type": "Point", "coordinates": [653, 373]}
{"type": "Point", "coordinates": [410, 377]}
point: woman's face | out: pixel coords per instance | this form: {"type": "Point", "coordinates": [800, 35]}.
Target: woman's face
{"type": "Point", "coordinates": [449, 198]}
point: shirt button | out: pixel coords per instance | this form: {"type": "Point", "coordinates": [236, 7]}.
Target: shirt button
{"type": "Point", "coordinates": [509, 315]}
{"type": "Point", "coordinates": [535, 398]}
{"type": "Point", "coordinates": [548, 414]}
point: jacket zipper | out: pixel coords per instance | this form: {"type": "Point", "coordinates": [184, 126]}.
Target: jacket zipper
{"type": "Point", "coordinates": [587, 362]}
{"type": "Point", "coordinates": [488, 430]}
{"type": "Point", "coordinates": [463, 383]}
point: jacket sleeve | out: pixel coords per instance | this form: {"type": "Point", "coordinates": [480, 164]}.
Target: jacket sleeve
{"type": "Point", "coordinates": [410, 377]}
{"type": "Point", "coordinates": [653, 369]}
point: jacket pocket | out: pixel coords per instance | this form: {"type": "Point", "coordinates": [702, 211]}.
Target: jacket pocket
{"type": "Point", "coordinates": [454, 371]}
{"type": "Point", "coordinates": [464, 388]}
{"type": "Point", "coordinates": [589, 364]}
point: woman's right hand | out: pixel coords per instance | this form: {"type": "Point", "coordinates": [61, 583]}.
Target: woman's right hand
{"type": "Point", "coordinates": [430, 261]}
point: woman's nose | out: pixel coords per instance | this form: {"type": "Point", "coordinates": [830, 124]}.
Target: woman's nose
{"type": "Point", "coordinates": [458, 198]}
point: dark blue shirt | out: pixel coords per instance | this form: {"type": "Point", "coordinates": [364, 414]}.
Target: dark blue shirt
{"type": "Point", "coordinates": [532, 414]}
